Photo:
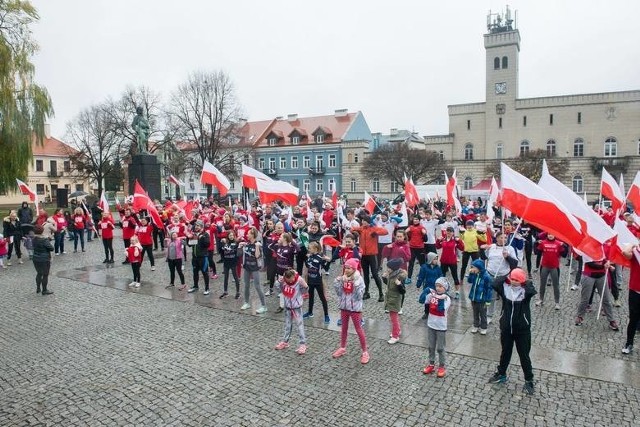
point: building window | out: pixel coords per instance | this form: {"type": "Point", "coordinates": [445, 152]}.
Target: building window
{"type": "Point", "coordinates": [283, 162]}
{"type": "Point", "coordinates": [576, 184]}
{"type": "Point", "coordinates": [232, 185]}
{"type": "Point", "coordinates": [578, 148]}
{"type": "Point", "coordinates": [295, 140]}
{"type": "Point", "coordinates": [246, 159]}
{"type": "Point", "coordinates": [499, 150]}
{"type": "Point", "coordinates": [67, 166]}
{"type": "Point", "coordinates": [294, 162]}
{"type": "Point", "coordinates": [551, 148]}
{"type": "Point", "coordinates": [79, 187]}
{"type": "Point", "coordinates": [468, 183]}
{"type": "Point", "coordinates": [306, 162]}
{"type": "Point", "coordinates": [332, 160]}
{"type": "Point", "coordinates": [319, 185]}
{"type": "Point", "coordinates": [355, 158]}
{"type": "Point", "coordinates": [39, 165]}
{"type": "Point", "coordinates": [319, 138]}
{"type": "Point", "coordinates": [40, 189]}
{"type": "Point", "coordinates": [441, 155]}
{"type": "Point", "coordinates": [319, 162]}
{"type": "Point", "coordinates": [306, 185]}
{"type": "Point", "coordinates": [468, 124]}
{"type": "Point", "coordinates": [353, 185]}
{"type": "Point", "coordinates": [496, 63]}
{"type": "Point", "coordinates": [468, 152]}
{"type": "Point", "coordinates": [295, 182]}
{"type": "Point", "coordinates": [499, 122]}
{"type": "Point", "coordinates": [550, 119]}
{"type": "Point", "coordinates": [272, 141]}
{"type": "Point", "coordinates": [272, 163]}
{"type": "Point", "coordinates": [394, 187]}
{"type": "Point", "coordinates": [579, 118]}
{"type": "Point", "coordinates": [375, 187]}
{"type": "Point", "coordinates": [331, 184]}
{"type": "Point", "coordinates": [610, 147]}
{"type": "Point", "coordinates": [261, 163]}
{"type": "Point", "coordinates": [505, 62]}
{"type": "Point", "coordinates": [192, 183]}
{"type": "Point", "coordinates": [524, 148]}
{"type": "Point", "coordinates": [524, 121]}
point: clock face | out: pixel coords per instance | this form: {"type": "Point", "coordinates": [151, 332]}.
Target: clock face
{"type": "Point", "coordinates": [501, 88]}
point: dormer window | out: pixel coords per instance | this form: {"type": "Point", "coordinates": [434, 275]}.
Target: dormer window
{"type": "Point", "coordinates": [321, 134]}
{"type": "Point", "coordinates": [274, 137]}
{"type": "Point", "coordinates": [319, 138]}
{"type": "Point", "coordinates": [273, 141]}
{"type": "Point", "coordinates": [295, 140]}
{"type": "Point", "coordinates": [297, 135]}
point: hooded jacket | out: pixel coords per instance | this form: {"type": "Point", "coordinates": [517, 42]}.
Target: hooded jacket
{"type": "Point", "coordinates": [350, 292]}
{"type": "Point", "coordinates": [481, 283]}
{"type": "Point", "coordinates": [515, 316]}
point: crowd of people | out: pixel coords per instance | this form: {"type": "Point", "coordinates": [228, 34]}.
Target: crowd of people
{"type": "Point", "coordinates": [495, 257]}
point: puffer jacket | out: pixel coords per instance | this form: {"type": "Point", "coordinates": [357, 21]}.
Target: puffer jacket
{"type": "Point", "coordinates": [368, 240]}
{"type": "Point", "coordinates": [515, 316]}
{"type": "Point", "coordinates": [350, 292]}
{"type": "Point", "coordinates": [481, 283]}
{"type": "Point", "coordinates": [393, 298]}
{"type": "Point", "coordinates": [42, 249]}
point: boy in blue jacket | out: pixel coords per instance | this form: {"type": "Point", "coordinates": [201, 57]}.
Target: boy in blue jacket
{"type": "Point", "coordinates": [430, 271]}
{"type": "Point", "coordinates": [479, 295]}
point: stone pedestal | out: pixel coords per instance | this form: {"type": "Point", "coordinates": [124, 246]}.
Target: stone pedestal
{"type": "Point", "coordinates": [146, 169]}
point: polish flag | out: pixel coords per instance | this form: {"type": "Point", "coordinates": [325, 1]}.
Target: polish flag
{"type": "Point", "coordinates": [369, 204]}
{"type": "Point", "coordinates": [250, 176]}
{"type": "Point", "coordinates": [328, 240]}
{"type": "Point", "coordinates": [334, 199]}
{"type": "Point", "coordinates": [141, 200]}
{"type": "Point", "coordinates": [24, 189]}
{"type": "Point", "coordinates": [211, 175]}
{"type": "Point", "coordinates": [610, 189]}
{"type": "Point", "coordinates": [532, 203]}
{"type": "Point", "coordinates": [172, 179]}
{"type": "Point", "coordinates": [271, 191]}
{"type": "Point", "coordinates": [594, 229]}
{"type": "Point", "coordinates": [452, 188]}
{"type": "Point", "coordinates": [103, 204]}
{"type": "Point", "coordinates": [309, 211]}
{"type": "Point", "coordinates": [633, 195]}
{"type": "Point", "coordinates": [188, 210]}
{"type": "Point", "coordinates": [410, 192]}
{"type": "Point", "coordinates": [118, 206]}
{"type": "Point", "coordinates": [494, 191]}
{"type": "Point", "coordinates": [624, 239]}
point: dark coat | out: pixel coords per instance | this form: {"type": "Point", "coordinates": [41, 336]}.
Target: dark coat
{"type": "Point", "coordinates": [515, 317]}
{"type": "Point", "coordinates": [42, 249]}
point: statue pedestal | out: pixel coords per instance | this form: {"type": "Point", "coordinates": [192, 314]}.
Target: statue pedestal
{"type": "Point", "coordinates": [146, 169]}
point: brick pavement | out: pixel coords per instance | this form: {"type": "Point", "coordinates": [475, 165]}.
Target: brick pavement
{"type": "Point", "coordinates": [98, 355]}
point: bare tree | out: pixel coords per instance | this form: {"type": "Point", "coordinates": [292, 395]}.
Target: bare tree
{"type": "Point", "coordinates": [529, 164]}
{"type": "Point", "coordinates": [393, 161]}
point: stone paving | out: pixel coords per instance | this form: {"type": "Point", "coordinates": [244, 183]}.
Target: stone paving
{"type": "Point", "coordinates": [97, 353]}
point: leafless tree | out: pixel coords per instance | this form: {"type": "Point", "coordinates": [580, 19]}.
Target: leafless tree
{"type": "Point", "coordinates": [529, 164]}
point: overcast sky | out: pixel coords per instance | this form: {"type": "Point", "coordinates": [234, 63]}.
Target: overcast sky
{"type": "Point", "coordinates": [399, 62]}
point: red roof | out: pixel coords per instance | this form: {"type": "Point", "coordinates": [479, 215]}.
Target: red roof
{"type": "Point", "coordinates": [484, 185]}
{"type": "Point", "coordinates": [52, 147]}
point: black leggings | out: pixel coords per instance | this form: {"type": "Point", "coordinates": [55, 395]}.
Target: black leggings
{"type": "Point", "coordinates": [634, 315]}
{"type": "Point", "coordinates": [148, 249]}
{"type": "Point", "coordinates": [318, 287]}
{"type": "Point", "coordinates": [42, 274]}
{"type": "Point", "coordinates": [370, 262]}
{"type": "Point", "coordinates": [158, 234]}
{"type": "Point", "coordinates": [416, 253]}
{"type": "Point", "coordinates": [175, 264]}
{"type": "Point", "coordinates": [271, 271]}
{"type": "Point", "coordinates": [453, 268]}
{"type": "Point", "coordinates": [135, 267]}
{"type": "Point", "coordinates": [108, 249]}
{"type": "Point", "coordinates": [231, 268]}
{"type": "Point", "coordinates": [465, 261]}
{"type": "Point", "coordinates": [301, 257]}
{"type": "Point", "coordinates": [15, 245]}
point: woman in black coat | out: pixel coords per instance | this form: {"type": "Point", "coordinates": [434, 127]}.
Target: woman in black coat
{"type": "Point", "coordinates": [42, 249]}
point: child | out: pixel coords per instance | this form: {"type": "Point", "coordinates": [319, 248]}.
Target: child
{"type": "Point", "coordinates": [134, 257]}
{"type": "Point", "coordinates": [450, 244]}
{"type": "Point", "coordinates": [395, 289]}
{"type": "Point", "coordinates": [292, 286]}
{"type": "Point", "coordinates": [106, 228]}
{"type": "Point", "coordinates": [479, 295]}
{"type": "Point", "coordinates": [229, 251]}
{"type": "Point", "coordinates": [515, 326]}
{"type": "Point", "coordinates": [430, 271]}
{"type": "Point", "coordinates": [350, 288]}
{"type": "Point", "coordinates": [438, 303]}
{"type": "Point", "coordinates": [174, 259]}
{"type": "Point", "coordinates": [314, 263]}
{"type": "Point", "coordinates": [4, 245]}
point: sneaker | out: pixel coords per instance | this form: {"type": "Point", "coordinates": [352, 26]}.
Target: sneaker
{"type": "Point", "coordinates": [267, 293]}
{"type": "Point", "coordinates": [381, 298]}
{"type": "Point", "coordinates": [589, 308]}
{"type": "Point", "coordinates": [579, 320]}
{"type": "Point", "coordinates": [393, 340]}
{"type": "Point", "coordinates": [362, 322]}
{"type": "Point", "coordinates": [104, 262]}
{"type": "Point", "coordinates": [170, 285]}
{"type": "Point", "coordinates": [302, 349]}
{"type": "Point", "coordinates": [132, 284]}
{"type": "Point", "coordinates": [424, 316]}
{"type": "Point", "coordinates": [483, 332]}
{"type": "Point", "coordinates": [261, 310]}
{"type": "Point", "coordinates": [627, 349]}
{"type": "Point", "coordinates": [613, 325]}
{"type": "Point", "coordinates": [457, 296]}
{"type": "Point", "coordinates": [207, 292]}
{"type": "Point", "coordinates": [474, 330]}
{"type": "Point", "coordinates": [538, 303]}
{"type": "Point", "coordinates": [407, 281]}
{"type": "Point", "coordinates": [364, 359]}
{"type": "Point", "coordinates": [237, 296]}
{"type": "Point", "coordinates": [215, 276]}
{"type": "Point", "coordinates": [192, 290]}
{"type": "Point", "coordinates": [616, 303]}
{"type": "Point", "coordinates": [307, 315]}
{"type": "Point", "coordinates": [224, 294]}
{"type": "Point", "coordinates": [137, 285]}
{"type": "Point", "coordinates": [281, 345]}
{"type": "Point", "coordinates": [327, 320]}
{"type": "Point", "coordinates": [386, 311]}
{"type": "Point", "coordinates": [339, 352]}
{"type": "Point", "coordinates": [574, 287]}
{"type": "Point", "coordinates": [56, 254]}
{"type": "Point", "coordinates": [245, 306]}
{"type": "Point", "coordinates": [279, 310]}
{"type": "Point", "coordinates": [366, 296]}
{"type": "Point", "coordinates": [528, 387]}
{"type": "Point", "coordinates": [489, 320]}
{"type": "Point", "coordinates": [557, 307]}
{"type": "Point", "coordinates": [497, 378]}
{"type": "Point", "coordinates": [429, 369]}
{"type": "Point", "coordinates": [8, 263]}
{"type": "Point", "coordinates": [339, 322]}
{"type": "Point", "coordinates": [22, 262]}
{"type": "Point", "coordinates": [441, 372]}
{"type": "Point", "coordinates": [400, 312]}
{"type": "Point", "coordinates": [153, 268]}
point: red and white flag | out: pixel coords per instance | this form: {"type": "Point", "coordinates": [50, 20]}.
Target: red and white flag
{"type": "Point", "coordinates": [118, 206]}
{"type": "Point", "coordinates": [610, 189]}
{"type": "Point", "coordinates": [410, 192]}
{"type": "Point", "coordinates": [452, 190]}
{"type": "Point", "coordinates": [531, 202]}
{"type": "Point", "coordinates": [633, 195]}
{"type": "Point", "coordinates": [172, 179]}
{"type": "Point", "coordinates": [103, 203]}
{"type": "Point", "coordinates": [369, 203]}
{"type": "Point", "coordinates": [211, 175]}
{"type": "Point", "coordinates": [494, 191]}
{"type": "Point", "coordinates": [272, 191]}
{"type": "Point", "coordinates": [328, 240]}
{"type": "Point", "coordinates": [250, 176]}
{"type": "Point", "coordinates": [624, 238]}
{"type": "Point", "coordinates": [334, 199]}
{"type": "Point", "coordinates": [309, 211]}
{"type": "Point", "coordinates": [142, 201]}
{"type": "Point", "coordinates": [24, 189]}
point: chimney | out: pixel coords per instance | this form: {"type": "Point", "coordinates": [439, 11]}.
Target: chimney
{"type": "Point", "coordinates": [393, 132]}
{"type": "Point", "coordinates": [47, 130]}
{"type": "Point", "coordinates": [279, 118]}
{"type": "Point", "coordinates": [341, 113]}
{"type": "Point", "coordinates": [242, 122]}
{"type": "Point", "coordinates": [292, 117]}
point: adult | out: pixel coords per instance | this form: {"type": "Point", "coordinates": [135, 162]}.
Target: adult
{"type": "Point", "coordinates": [61, 229]}
{"type": "Point", "coordinates": [551, 250]}
{"type": "Point", "coordinates": [501, 259]}
{"type": "Point", "coordinates": [25, 214]}
{"type": "Point", "coordinates": [252, 254]}
{"type": "Point", "coordinates": [42, 249]}
{"type": "Point", "coordinates": [199, 240]}
{"type": "Point", "coordinates": [632, 253]}
{"type": "Point", "coordinates": [415, 233]}
{"type": "Point", "coordinates": [13, 232]}
{"type": "Point", "coordinates": [368, 242]}
{"type": "Point", "coordinates": [593, 276]}
{"type": "Point", "coordinates": [79, 220]}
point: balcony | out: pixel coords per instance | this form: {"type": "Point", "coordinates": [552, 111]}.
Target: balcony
{"type": "Point", "coordinates": [270, 172]}
{"type": "Point", "coordinates": [317, 171]}
{"type": "Point", "coordinates": [614, 165]}
{"type": "Point", "coordinates": [54, 174]}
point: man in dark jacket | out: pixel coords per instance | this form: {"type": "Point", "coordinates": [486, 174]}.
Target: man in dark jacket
{"type": "Point", "coordinates": [515, 326]}
{"type": "Point", "coordinates": [200, 240]}
{"type": "Point", "coordinates": [42, 249]}
{"type": "Point", "coordinates": [25, 214]}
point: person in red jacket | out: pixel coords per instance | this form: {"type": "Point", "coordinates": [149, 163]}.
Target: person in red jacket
{"type": "Point", "coordinates": [632, 253]}
{"type": "Point", "coordinates": [105, 229]}
{"type": "Point", "coordinates": [369, 253]}
{"type": "Point", "coordinates": [449, 257]}
{"type": "Point", "coordinates": [415, 233]}
{"type": "Point", "coordinates": [134, 257]}
{"type": "Point", "coordinates": [79, 221]}
{"type": "Point", "coordinates": [144, 232]}
{"type": "Point", "coordinates": [212, 229]}
{"type": "Point", "coordinates": [129, 223]}
{"type": "Point", "coordinates": [552, 250]}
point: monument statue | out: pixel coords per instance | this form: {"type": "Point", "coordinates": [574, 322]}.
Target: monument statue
{"type": "Point", "coordinates": [141, 127]}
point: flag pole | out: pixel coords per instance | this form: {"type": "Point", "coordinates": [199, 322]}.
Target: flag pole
{"type": "Point", "coordinates": [569, 275]}
{"type": "Point", "coordinates": [604, 289]}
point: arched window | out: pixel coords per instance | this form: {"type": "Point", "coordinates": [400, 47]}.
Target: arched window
{"type": "Point", "coordinates": [468, 183]}
{"type": "Point", "coordinates": [375, 185]}
{"type": "Point", "coordinates": [496, 63]}
{"type": "Point", "coordinates": [578, 147]}
{"type": "Point", "coordinates": [551, 148]}
{"type": "Point", "coordinates": [524, 148]}
{"type": "Point", "coordinates": [353, 185]}
{"type": "Point", "coordinates": [505, 62]}
{"type": "Point", "coordinates": [441, 155]}
{"type": "Point", "coordinates": [576, 184]}
{"type": "Point", "coordinates": [611, 147]}
{"type": "Point", "coordinates": [468, 152]}
{"type": "Point", "coordinates": [349, 158]}
{"type": "Point", "coordinates": [499, 150]}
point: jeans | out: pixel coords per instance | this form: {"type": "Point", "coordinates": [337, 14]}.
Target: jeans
{"type": "Point", "coordinates": [148, 249]}
{"type": "Point", "coordinates": [587, 285]}
{"type": "Point", "coordinates": [58, 242]}
{"type": "Point", "coordinates": [200, 265]}
{"type": "Point", "coordinates": [248, 277]}
{"type": "Point", "coordinates": [231, 268]}
{"type": "Point", "coordinates": [78, 235]}
{"type": "Point", "coordinates": [479, 314]}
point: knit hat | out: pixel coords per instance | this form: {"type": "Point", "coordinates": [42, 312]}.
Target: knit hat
{"type": "Point", "coordinates": [450, 229]}
{"type": "Point", "coordinates": [199, 224]}
{"type": "Point", "coordinates": [517, 275]}
{"type": "Point", "coordinates": [395, 263]}
{"type": "Point", "coordinates": [469, 222]}
{"type": "Point", "coordinates": [431, 256]}
{"type": "Point", "coordinates": [444, 282]}
{"type": "Point", "coordinates": [352, 263]}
